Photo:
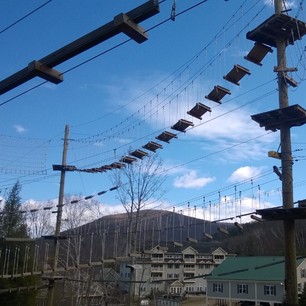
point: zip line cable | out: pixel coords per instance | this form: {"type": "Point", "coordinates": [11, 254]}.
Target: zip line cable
{"type": "Point", "coordinates": [94, 57]}
{"type": "Point", "coordinates": [187, 64]}
{"type": "Point", "coordinates": [24, 17]}
{"type": "Point", "coordinates": [256, 99]}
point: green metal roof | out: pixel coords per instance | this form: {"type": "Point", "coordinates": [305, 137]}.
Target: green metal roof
{"type": "Point", "coordinates": [255, 268]}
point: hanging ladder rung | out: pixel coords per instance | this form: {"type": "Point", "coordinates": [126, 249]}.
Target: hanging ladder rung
{"type": "Point", "coordinates": [217, 94]}
{"type": "Point", "coordinates": [208, 236]}
{"type": "Point", "coordinates": [106, 168]}
{"type": "Point", "coordinates": [182, 125]}
{"type": "Point", "coordinates": [117, 165]}
{"type": "Point", "coordinates": [189, 239]}
{"type": "Point", "coordinates": [152, 146]}
{"type": "Point", "coordinates": [178, 244]}
{"type": "Point", "coordinates": [94, 170]}
{"type": "Point", "coordinates": [199, 110]}
{"type": "Point", "coordinates": [128, 159]}
{"type": "Point", "coordinates": [238, 225]}
{"type": "Point", "coordinates": [139, 154]}
{"type": "Point", "coordinates": [257, 53]}
{"type": "Point", "coordinates": [166, 136]}
{"type": "Point", "coordinates": [223, 230]}
{"type": "Point", "coordinates": [236, 74]}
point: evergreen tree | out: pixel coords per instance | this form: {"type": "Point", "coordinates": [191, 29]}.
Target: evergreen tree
{"type": "Point", "coordinates": [13, 225]}
{"type": "Point", "coordinates": [13, 222]}
{"type": "Point", "coordinates": [302, 299]}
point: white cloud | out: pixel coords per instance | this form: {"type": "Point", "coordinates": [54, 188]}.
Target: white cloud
{"type": "Point", "coordinates": [244, 173]}
{"type": "Point", "coordinates": [192, 180]}
{"type": "Point", "coordinates": [19, 128]}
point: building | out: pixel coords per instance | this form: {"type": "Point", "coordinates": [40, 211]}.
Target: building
{"type": "Point", "coordinates": [171, 272]}
{"type": "Point", "coordinates": [252, 280]}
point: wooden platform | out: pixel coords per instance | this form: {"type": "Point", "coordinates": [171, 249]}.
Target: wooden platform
{"type": "Point", "coordinates": [278, 27]}
{"type": "Point", "coordinates": [282, 213]}
{"type": "Point", "coordinates": [291, 116]}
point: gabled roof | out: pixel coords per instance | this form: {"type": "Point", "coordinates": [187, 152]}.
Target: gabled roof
{"type": "Point", "coordinates": [158, 249]}
{"type": "Point", "coordinates": [177, 283]}
{"type": "Point", "coordinates": [188, 249]}
{"type": "Point", "coordinates": [218, 251]}
{"type": "Point", "coordinates": [257, 268]}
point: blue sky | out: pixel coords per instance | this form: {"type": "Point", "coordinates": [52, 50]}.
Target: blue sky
{"type": "Point", "coordinates": [124, 98]}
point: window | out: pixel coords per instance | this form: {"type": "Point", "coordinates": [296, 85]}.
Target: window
{"type": "Point", "coordinates": [219, 257]}
{"type": "Point", "coordinates": [176, 266]}
{"type": "Point", "coordinates": [270, 290]}
{"type": "Point", "coordinates": [170, 266]}
{"type": "Point", "coordinates": [175, 290]}
{"type": "Point", "coordinates": [189, 266]}
{"type": "Point", "coordinates": [207, 266]}
{"type": "Point", "coordinates": [170, 275]}
{"type": "Point", "coordinates": [242, 288]}
{"type": "Point", "coordinates": [156, 266]}
{"type": "Point", "coordinates": [303, 274]}
{"type": "Point", "coordinates": [217, 287]}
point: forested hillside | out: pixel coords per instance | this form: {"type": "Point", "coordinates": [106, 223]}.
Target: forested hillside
{"type": "Point", "coordinates": [163, 228]}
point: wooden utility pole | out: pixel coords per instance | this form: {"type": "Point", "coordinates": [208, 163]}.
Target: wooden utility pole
{"type": "Point", "coordinates": [287, 176]}
{"type": "Point", "coordinates": [59, 217]}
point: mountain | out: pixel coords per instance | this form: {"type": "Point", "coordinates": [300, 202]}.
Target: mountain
{"type": "Point", "coordinates": [107, 237]}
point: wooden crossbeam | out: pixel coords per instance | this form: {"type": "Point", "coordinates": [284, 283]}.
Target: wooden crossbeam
{"type": "Point", "coordinates": [126, 23]}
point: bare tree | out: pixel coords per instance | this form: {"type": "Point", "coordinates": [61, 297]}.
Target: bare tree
{"type": "Point", "coordinates": [39, 220]}
{"type": "Point", "coordinates": [139, 183]}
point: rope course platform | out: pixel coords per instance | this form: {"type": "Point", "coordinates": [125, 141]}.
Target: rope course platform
{"type": "Point", "coordinates": [282, 213]}
{"type": "Point", "coordinates": [291, 116]}
{"type": "Point", "coordinates": [278, 27]}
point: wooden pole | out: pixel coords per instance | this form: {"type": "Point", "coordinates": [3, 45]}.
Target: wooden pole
{"type": "Point", "coordinates": [287, 178]}
{"type": "Point", "coordinates": [59, 217]}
